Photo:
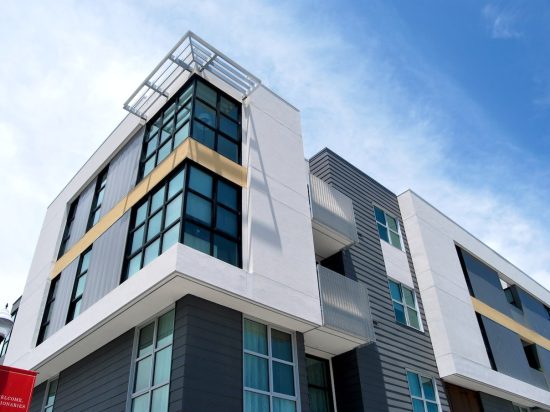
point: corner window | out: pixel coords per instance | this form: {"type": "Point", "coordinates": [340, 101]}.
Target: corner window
{"type": "Point", "coordinates": [79, 285]}
{"type": "Point", "coordinates": [270, 383]}
{"type": "Point", "coordinates": [531, 354]}
{"type": "Point", "coordinates": [423, 393]}
{"type": "Point", "coordinates": [388, 228]}
{"type": "Point", "coordinates": [67, 232]}
{"type": "Point", "coordinates": [152, 365]}
{"type": "Point", "coordinates": [511, 293]}
{"type": "Point", "coordinates": [48, 310]}
{"type": "Point", "coordinates": [99, 193]}
{"type": "Point", "coordinates": [405, 305]}
{"type": "Point", "coordinates": [50, 397]}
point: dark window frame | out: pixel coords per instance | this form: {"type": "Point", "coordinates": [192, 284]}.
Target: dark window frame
{"type": "Point", "coordinates": [328, 389]}
{"type": "Point", "coordinates": [100, 186]}
{"type": "Point", "coordinates": [50, 300]}
{"type": "Point", "coordinates": [68, 226]}
{"type": "Point", "coordinates": [75, 299]}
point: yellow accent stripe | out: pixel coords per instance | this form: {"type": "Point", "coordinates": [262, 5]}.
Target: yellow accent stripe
{"type": "Point", "coordinates": [189, 149]}
{"type": "Point", "coordinates": [509, 323]}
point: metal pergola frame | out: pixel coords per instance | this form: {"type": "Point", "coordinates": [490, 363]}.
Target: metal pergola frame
{"type": "Point", "coordinates": [189, 54]}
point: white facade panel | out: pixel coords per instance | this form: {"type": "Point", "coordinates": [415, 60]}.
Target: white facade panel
{"type": "Point", "coordinates": [397, 264]}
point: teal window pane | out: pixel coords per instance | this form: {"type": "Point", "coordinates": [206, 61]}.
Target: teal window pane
{"type": "Point", "coordinates": [173, 211]}
{"type": "Point", "coordinates": [285, 405]}
{"type": "Point", "coordinates": [409, 296]}
{"type": "Point", "coordinates": [164, 151]}
{"type": "Point", "coordinates": [226, 221]}
{"type": "Point", "coordinates": [395, 241]}
{"type": "Point", "coordinates": [229, 127]}
{"type": "Point", "coordinates": [256, 372]}
{"type": "Point", "coordinates": [418, 405]}
{"type": "Point", "coordinates": [95, 218]}
{"type": "Point", "coordinates": [166, 131]}
{"type": "Point", "coordinates": [51, 392]}
{"type": "Point", "coordinates": [143, 374]}
{"type": "Point", "coordinates": [153, 226]}
{"type": "Point", "coordinates": [80, 286]}
{"type": "Point", "coordinates": [151, 252]}
{"type": "Point", "coordinates": [160, 399]}
{"type": "Point", "coordinates": [281, 345]}
{"type": "Point", "coordinates": [76, 310]}
{"type": "Point", "coordinates": [169, 112]}
{"type": "Point", "coordinates": [85, 264]}
{"type": "Point", "coordinates": [181, 134]}
{"type": "Point", "coordinates": [100, 196]}
{"type": "Point", "coordinates": [149, 165]}
{"type": "Point", "coordinates": [200, 182]}
{"type": "Point", "coordinates": [141, 403]}
{"type": "Point", "coordinates": [205, 114]}
{"type": "Point", "coordinates": [316, 372]}
{"type": "Point", "coordinates": [229, 108]}
{"type": "Point", "coordinates": [226, 250]}
{"type": "Point", "coordinates": [383, 232]}
{"type": "Point", "coordinates": [399, 313]}
{"type": "Point", "coordinates": [413, 318]}
{"type": "Point", "coordinates": [229, 149]}
{"type": "Point", "coordinates": [165, 329]}
{"type": "Point", "coordinates": [319, 400]}
{"type": "Point", "coordinates": [49, 409]}
{"type": "Point", "coordinates": [134, 265]}
{"type": "Point", "coordinates": [432, 407]}
{"type": "Point", "coordinates": [141, 214]}
{"type": "Point", "coordinates": [380, 215]}
{"type": "Point", "coordinates": [151, 145]}
{"type": "Point", "coordinates": [414, 384]}
{"type": "Point", "coordinates": [428, 387]}
{"type": "Point", "coordinates": [203, 134]}
{"type": "Point", "coordinates": [395, 291]}
{"type": "Point", "coordinates": [185, 96]}
{"type": "Point", "coordinates": [283, 378]}
{"type": "Point", "coordinates": [170, 237]}
{"type": "Point", "coordinates": [227, 195]}
{"type": "Point", "coordinates": [392, 223]}
{"type": "Point", "coordinates": [183, 116]}
{"type": "Point", "coordinates": [157, 200]}
{"type": "Point", "coordinates": [255, 402]}
{"type": "Point", "coordinates": [145, 345]}
{"type": "Point", "coordinates": [176, 184]}
{"type": "Point", "coordinates": [197, 237]}
{"type": "Point", "coordinates": [255, 337]}
{"type": "Point", "coordinates": [137, 239]}
{"type": "Point", "coordinates": [207, 94]}
{"type": "Point", "coordinates": [199, 208]}
{"type": "Point", "coordinates": [163, 362]}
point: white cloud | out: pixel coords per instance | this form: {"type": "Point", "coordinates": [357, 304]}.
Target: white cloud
{"type": "Point", "coordinates": [502, 21]}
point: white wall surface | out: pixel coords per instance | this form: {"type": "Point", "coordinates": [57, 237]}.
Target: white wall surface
{"type": "Point", "coordinates": [397, 264]}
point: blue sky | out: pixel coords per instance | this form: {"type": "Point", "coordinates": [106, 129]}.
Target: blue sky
{"type": "Point", "coordinates": [451, 99]}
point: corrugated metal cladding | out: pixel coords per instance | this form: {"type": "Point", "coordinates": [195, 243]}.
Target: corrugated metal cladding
{"type": "Point", "coordinates": [63, 298]}
{"type": "Point", "coordinates": [78, 227]}
{"type": "Point", "coordinates": [398, 348]}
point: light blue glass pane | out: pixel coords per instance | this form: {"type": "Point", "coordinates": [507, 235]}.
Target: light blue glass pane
{"type": "Point", "coordinates": [163, 363]}
{"type": "Point", "coordinates": [166, 131]}
{"type": "Point", "coordinates": [432, 407]}
{"type": "Point", "coordinates": [157, 200]}
{"type": "Point", "coordinates": [153, 226]}
{"type": "Point", "coordinates": [85, 264]}
{"type": "Point", "coordinates": [100, 196]}
{"type": "Point", "coordinates": [77, 307]}
{"type": "Point", "coordinates": [414, 384]}
{"type": "Point", "coordinates": [165, 329]}
{"type": "Point", "coordinates": [383, 232]}
{"type": "Point", "coordinates": [227, 148]}
{"type": "Point", "coordinates": [164, 151]}
{"type": "Point", "coordinates": [229, 108]}
{"type": "Point", "coordinates": [137, 239]}
{"type": "Point", "coordinates": [185, 96]}
{"type": "Point", "coordinates": [256, 372]}
{"type": "Point", "coordinates": [151, 145]}
{"type": "Point", "coordinates": [408, 295]}
{"type": "Point", "coordinates": [281, 345]}
{"type": "Point", "coordinates": [145, 345]}
{"type": "Point", "coordinates": [413, 318]}
{"type": "Point", "coordinates": [203, 134]}
{"type": "Point", "coordinates": [399, 313]}
{"type": "Point", "coordinates": [181, 134]}
{"type": "Point", "coordinates": [80, 286]}
{"type": "Point", "coordinates": [392, 223]}
{"type": "Point", "coordinates": [197, 237]}
{"type": "Point", "coordinates": [95, 218]}
{"type": "Point", "coordinates": [141, 214]}
{"type": "Point", "coordinates": [227, 195]}
{"type": "Point", "coordinates": [170, 237]}
{"type": "Point", "coordinates": [285, 405]}
{"type": "Point", "coordinates": [255, 337]}
{"type": "Point", "coordinates": [151, 252]}
{"type": "Point", "coordinates": [199, 208]}
{"type": "Point", "coordinates": [380, 215]}
{"type": "Point", "coordinates": [226, 221]}
{"type": "Point", "coordinates": [229, 127]}
{"type": "Point", "coordinates": [395, 241]}
{"type": "Point", "coordinates": [226, 250]}
{"type": "Point", "coordinates": [134, 265]}
{"type": "Point", "coordinates": [170, 111]}
{"type": "Point", "coordinates": [283, 378]}
{"type": "Point", "coordinates": [395, 291]}
{"type": "Point", "coordinates": [255, 402]}
{"type": "Point", "coordinates": [149, 165]}
{"type": "Point", "coordinates": [141, 403]}
{"type": "Point", "coordinates": [49, 409]}
{"type": "Point", "coordinates": [176, 184]}
{"type": "Point", "coordinates": [200, 182]}
{"type": "Point", "coordinates": [143, 374]}
{"type": "Point", "coordinates": [173, 211]}
{"type": "Point", "coordinates": [160, 399]}
{"type": "Point", "coordinates": [205, 114]}
{"type": "Point", "coordinates": [428, 387]}
{"type": "Point", "coordinates": [206, 93]}
{"type": "Point", "coordinates": [418, 406]}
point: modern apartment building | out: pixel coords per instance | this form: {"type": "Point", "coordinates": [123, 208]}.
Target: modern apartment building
{"type": "Point", "coordinates": [197, 262]}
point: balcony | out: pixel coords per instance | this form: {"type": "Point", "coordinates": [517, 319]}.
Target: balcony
{"type": "Point", "coordinates": [333, 219]}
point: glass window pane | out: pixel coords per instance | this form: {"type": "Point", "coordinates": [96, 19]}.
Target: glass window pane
{"type": "Point", "coordinates": [281, 345]}
{"type": "Point", "coordinates": [160, 399]}
{"type": "Point", "coordinates": [165, 329]}
{"type": "Point", "coordinates": [200, 182]}
{"type": "Point", "coordinates": [176, 184]}
{"type": "Point", "coordinates": [225, 249]}
{"type": "Point", "coordinates": [143, 374]}
{"type": "Point", "coordinates": [163, 362]}
{"type": "Point", "coordinates": [100, 196]}
{"type": "Point", "coordinates": [197, 237]}
{"type": "Point", "coordinates": [205, 114]}
{"type": "Point", "coordinates": [186, 95]}
{"type": "Point", "coordinates": [418, 405]}
{"type": "Point", "coordinates": [145, 345]}
{"type": "Point", "coordinates": [153, 226]}
{"type": "Point", "coordinates": [141, 214]}
{"type": "Point", "coordinates": [80, 286]}
{"type": "Point", "coordinates": [203, 134]}
{"type": "Point", "coordinates": [206, 94]}
{"type": "Point", "coordinates": [164, 151]}
{"type": "Point", "coordinates": [432, 407]}
{"type": "Point", "coordinates": [134, 265]}
{"type": "Point", "coordinates": [284, 405]}
{"type": "Point", "coordinates": [255, 402]}
{"type": "Point", "coordinates": [173, 211]}
{"type": "Point", "coordinates": [76, 310]}
{"type": "Point", "coordinates": [137, 239]}
{"type": "Point", "coordinates": [409, 296]}
{"type": "Point", "coordinates": [316, 372]}
{"type": "Point", "coordinates": [149, 165]}
{"type": "Point", "coordinates": [96, 217]}
{"type": "Point", "coordinates": [49, 409]}
{"type": "Point", "coordinates": [151, 146]}
{"type": "Point", "coordinates": [199, 208]}
{"type": "Point", "coordinates": [181, 134]}
{"type": "Point", "coordinates": [157, 200]}
{"type": "Point", "coordinates": [229, 108]}
{"type": "Point", "coordinates": [170, 111]}
{"type": "Point", "coordinates": [283, 378]}
{"type": "Point", "coordinates": [229, 127]}
{"type": "Point", "coordinates": [255, 337]}
{"type": "Point", "coordinates": [170, 237]}
{"type": "Point", "coordinates": [383, 232]}
{"type": "Point", "coordinates": [228, 149]}
{"type": "Point", "coordinates": [399, 313]}
{"type": "Point", "coordinates": [392, 223]}
{"type": "Point", "coordinates": [141, 403]}
{"type": "Point", "coordinates": [227, 195]}
{"type": "Point", "coordinates": [395, 239]}
{"type": "Point", "coordinates": [85, 264]}
{"type": "Point", "coordinates": [226, 221]}
{"type": "Point", "coordinates": [413, 318]}
{"type": "Point", "coordinates": [256, 372]}
{"type": "Point", "coordinates": [428, 387]}
{"type": "Point", "coordinates": [380, 216]}
{"type": "Point", "coordinates": [166, 131]}
{"type": "Point", "coordinates": [395, 291]}
{"type": "Point", "coordinates": [151, 252]}
{"type": "Point", "coordinates": [319, 400]}
{"type": "Point", "coordinates": [414, 384]}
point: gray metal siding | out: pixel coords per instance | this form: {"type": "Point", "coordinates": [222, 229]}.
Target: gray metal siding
{"type": "Point", "coordinates": [493, 404]}
{"type": "Point", "coordinates": [347, 383]}
{"type": "Point", "coordinates": [38, 397]}
{"type": "Point", "coordinates": [398, 347]}
{"type": "Point", "coordinates": [63, 297]}
{"type": "Point", "coordinates": [78, 228]}
{"type": "Point", "coordinates": [302, 372]}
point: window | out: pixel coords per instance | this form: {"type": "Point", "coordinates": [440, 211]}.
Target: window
{"type": "Point", "coordinates": [204, 216]}
{"type": "Point", "coordinates": [99, 193]}
{"type": "Point", "coordinates": [269, 369]}
{"type": "Point", "coordinates": [48, 310]}
{"type": "Point", "coordinates": [531, 354]}
{"type": "Point", "coordinates": [518, 408]}
{"type": "Point", "coordinates": [67, 232]}
{"type": "Point", "coordinates": [152, 365]}
{"type": "Point", "coordinates": [511, 293]}
{"type": "Point", "coordinates": [50, 397]}
{"type": "Point", "coordinates": [423, 393]}
{"type": "Point", "coordinates": [404, 305]}
{"type": "Point", "coordinates": [6, 341]}
{"type": "Point", "coordinates": [79, 285]}
{"type": "Point", "coordinates": [319, 384]}
{"type": "Point", "coordinates": [388, 228]}
{"type": "Point", "coordinates": [208, 115]}
{"type": "Point", "coordinates": [547, 311]}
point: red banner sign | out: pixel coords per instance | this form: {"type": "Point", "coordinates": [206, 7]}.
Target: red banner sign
{"type": "Point", "coordinates": [16, 386]}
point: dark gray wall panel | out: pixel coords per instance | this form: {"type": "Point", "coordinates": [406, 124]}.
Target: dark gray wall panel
{"type": "Point", "coordinates": [63, 297]}
{"type": "Point", "coordinates": [535, 314]}
{"type": "Point", "coordinates": [99, 382]}
{"type": "Point", "coordinates": [78, 228]}
{"type": "Point", "coordinates": [106, 262]}
{"type": "Point", "coordinates": [38, 397]}
{"type": "Point", "coordinates": [347, 382]}
{"type": "Point", "coordinates": [207, 358]}
{"type": "Point", "coordinates": [302, 372]}
{"type": "Point", "coordinates": [397, 346]}
{"type": "Point", "coordinates": [493, 404]}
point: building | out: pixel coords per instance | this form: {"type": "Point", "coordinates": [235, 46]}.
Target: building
{"type": "Point", "coordinates": [197, 262]}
